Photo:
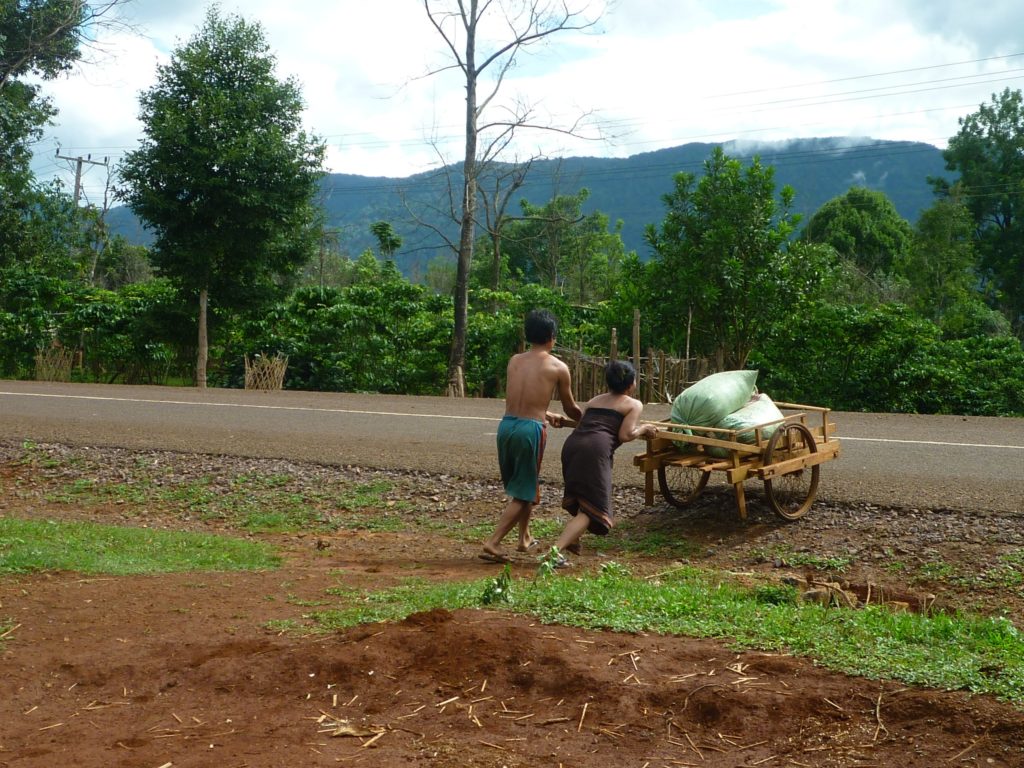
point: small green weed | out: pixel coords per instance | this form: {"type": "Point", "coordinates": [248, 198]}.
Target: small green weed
{"type": "Point", "coordinates": [549, 563]}
{"type": "Point", "coordinates": [776, 594]}
{"type": "Point", "coordinates": [283, 625]}
{"type": "Point", "coordinates": [935, 571]}
{"type": "Point", "coordinates": [498, 589]}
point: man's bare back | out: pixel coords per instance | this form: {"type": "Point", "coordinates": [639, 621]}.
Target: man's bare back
{"type": "Point", "coordinates": [532, 378]}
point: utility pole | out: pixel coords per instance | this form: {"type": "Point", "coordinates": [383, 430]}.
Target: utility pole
{"type": "Point", "coordinates": [79, 161]}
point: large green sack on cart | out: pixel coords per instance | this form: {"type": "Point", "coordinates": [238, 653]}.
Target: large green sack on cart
{"type": "Point", "coordinates": [713, 398]}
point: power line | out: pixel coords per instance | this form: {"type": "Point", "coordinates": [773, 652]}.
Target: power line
{"type": "Point", "coordinates": [876, 74]}
{"type": "Point", "coordinates": [79, 162]}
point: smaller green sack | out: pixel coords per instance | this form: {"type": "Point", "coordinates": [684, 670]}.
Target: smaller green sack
{"type": "Point", "coordinates": [760, 409]}
{"type": "Point", "coordinates": [713, 398]}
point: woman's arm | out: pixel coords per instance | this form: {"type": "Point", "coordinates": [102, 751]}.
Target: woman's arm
{"type": "Point", "coordinates": [631, 429]}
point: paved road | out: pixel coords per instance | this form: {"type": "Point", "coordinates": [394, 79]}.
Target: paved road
{"type": "Point", "coordinates": [955, 462]}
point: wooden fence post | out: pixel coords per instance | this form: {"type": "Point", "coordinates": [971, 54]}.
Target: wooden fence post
{"type": "Point", "coordinates": [636, 340]}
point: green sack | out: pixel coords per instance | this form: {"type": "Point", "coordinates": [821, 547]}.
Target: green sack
{"type": "Point", "coordinates": [713, 398]}
{"type": "Point", "coordinates": [760, 409]}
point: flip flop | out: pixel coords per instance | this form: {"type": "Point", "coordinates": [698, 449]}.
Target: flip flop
{"type": "Point", "coordinates": [529, 547]}
{"type": "Point", "coordinates": [488, 557]}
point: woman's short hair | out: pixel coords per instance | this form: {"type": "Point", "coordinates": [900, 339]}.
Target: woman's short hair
{"type": "Point", "coordinates": [620, 375]}
{"type": "Point", "coordinates": [540, 327]}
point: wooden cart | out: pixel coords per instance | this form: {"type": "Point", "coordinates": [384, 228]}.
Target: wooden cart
{"type": "Point", "coordinates": [788, 461]}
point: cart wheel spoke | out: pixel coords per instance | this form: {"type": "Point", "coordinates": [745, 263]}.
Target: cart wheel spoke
{"type": "Point", "coordinates": [681, 485]}
{"type": "Point", "coordinates": [792, 494]}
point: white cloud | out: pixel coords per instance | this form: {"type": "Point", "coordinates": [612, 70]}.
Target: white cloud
{"type": "Point", "coordinates": [659, 72]}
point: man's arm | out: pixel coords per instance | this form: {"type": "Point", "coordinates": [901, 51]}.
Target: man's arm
{"type": "Point", "coordinates": [572, 410]}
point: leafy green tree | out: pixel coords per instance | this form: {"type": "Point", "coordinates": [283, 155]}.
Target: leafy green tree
{"type": "Point", "coordinates": [41, 238]}
{"type": "Point", "coordinates": [225, 176]}
{"type": "Point", "coordinates": [864, 227]}
{"type": "Point", "coordinates": [988, 153]}
{"type": "Point", "coordinates": [723, 258]}
{"type": "Point", "coordinates": [39, 40]}
{"type": "Point", "coordinates": [122, 263]}
{"type": "Point", "coordinates": [939, 264]}
{"type": "Point", "coordinates": [559, 246]}
{"type": "Point", "coordinates": [388, 241]}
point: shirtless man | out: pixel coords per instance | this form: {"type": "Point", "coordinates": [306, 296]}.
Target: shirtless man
{"type": "Point", "coordinates": [532, 377]}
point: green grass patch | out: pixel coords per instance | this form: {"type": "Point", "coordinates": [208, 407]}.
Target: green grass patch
{"type": "Point", "coordinates": [625, 538]}
{"type": "Point", "coordinates": [836, 563]}
{"type": "Point", "coordinates": [32, 545]}
{"type": "Point", "coordinates": [984, 655]}
{"type": "Point", "coordinates": [364, 495]}
{"type": "Point", "coordinates": [935, 571]}
{"type": "Point", "coordinates": [382, 523]}
{"type": "Point", "coordinates": [250, 502]}
{"type": "Point", "coordinates": [652, 542]}
{"type": "Point", "coordinates": [1006, 573]}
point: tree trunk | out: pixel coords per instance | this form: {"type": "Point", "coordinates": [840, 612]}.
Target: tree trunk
{"type": "Point", "coordinates": [467, 232]}
{"type": "Point", "coordinates": [203, 346]}
{"type": "Point", "coordinates": [457, 358]}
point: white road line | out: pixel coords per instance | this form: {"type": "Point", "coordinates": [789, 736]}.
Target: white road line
{"type": "Point", "coordinates": [930, 442]}
{"type": "Point", "coordinates": [440, 416]}
{"type": "Point", "coordinates": [249, 405]}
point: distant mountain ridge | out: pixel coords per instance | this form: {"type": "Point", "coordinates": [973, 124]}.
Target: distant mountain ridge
{"type": "Point", "coordinates": [629, 189]}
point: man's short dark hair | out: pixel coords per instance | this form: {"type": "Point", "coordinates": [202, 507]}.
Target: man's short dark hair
{"type": "Point", "coordinates": [540, 326]}
{"type": "Point", "coordinates": [620, 375]}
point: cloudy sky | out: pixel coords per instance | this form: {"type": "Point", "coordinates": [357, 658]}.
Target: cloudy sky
{"type": "Point", "coordinates": [652, 73]}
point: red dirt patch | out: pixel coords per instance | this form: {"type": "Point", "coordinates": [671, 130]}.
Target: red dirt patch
{"type": "Point", "coordinates": [180, 670]}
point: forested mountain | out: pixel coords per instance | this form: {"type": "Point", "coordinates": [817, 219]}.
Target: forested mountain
{"type": "Point", "coordinates": [629, 189]}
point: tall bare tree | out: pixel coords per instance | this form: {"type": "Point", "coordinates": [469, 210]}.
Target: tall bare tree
{"type": "Point", "coordinates": [524, 23]}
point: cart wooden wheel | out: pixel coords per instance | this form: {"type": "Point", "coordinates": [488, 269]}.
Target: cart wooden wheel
{"type": "Point", "coordinates": [681, 485]}
{"type": "Point", "coordinates": [792, 494]}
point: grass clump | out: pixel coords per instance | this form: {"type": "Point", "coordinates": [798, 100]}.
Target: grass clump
{"type": "Point", "coordinates": [983, 655]}
{"type": "Point", "coordinates": [33, 545]}
{"type": "Point", "coordinates": [835, 563]}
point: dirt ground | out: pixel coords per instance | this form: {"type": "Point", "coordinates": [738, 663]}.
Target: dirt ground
{"type": "Point", "coordinates": [184, 670]}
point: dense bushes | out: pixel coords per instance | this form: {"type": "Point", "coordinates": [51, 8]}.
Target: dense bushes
{"type": "Point", "coordinates": [389, 336]}
{"type": "Point", "coordinates": [887, 359]}
{"type": "Point", "coordinates": [384, 334]}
